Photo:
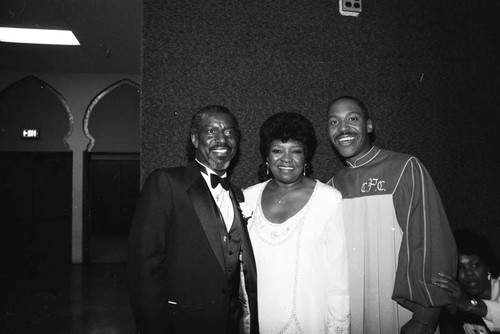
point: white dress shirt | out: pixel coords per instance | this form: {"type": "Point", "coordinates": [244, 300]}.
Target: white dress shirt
{"type": "Point", "coordinates": [221, 197]}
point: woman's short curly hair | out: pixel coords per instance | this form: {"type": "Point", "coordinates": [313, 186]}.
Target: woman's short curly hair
{"type": "Point", "coordinates": [470, 242]}
{"type": "Point", "coordinates": [286, 126]}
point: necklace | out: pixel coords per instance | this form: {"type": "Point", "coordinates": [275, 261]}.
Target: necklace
{"type": "Point", "coordinates": [286, 194]}
{"type": "Point", "coordinates": [282, 198]}
{"type": "Point", "coordinates": [291, 189]}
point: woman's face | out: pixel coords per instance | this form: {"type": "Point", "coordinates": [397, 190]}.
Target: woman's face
{"type": "Point", "coordinates": [473, 276]}
{"type": "Point", "coordinates": [286, 160]}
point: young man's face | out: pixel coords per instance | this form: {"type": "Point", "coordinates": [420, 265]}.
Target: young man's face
{"type": "Point", "coordinates": [216, 142]}
{"type": "Point", "coordinates": [349, 129]}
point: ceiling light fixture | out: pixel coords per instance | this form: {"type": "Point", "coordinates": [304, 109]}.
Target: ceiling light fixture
{"type": "Point", "coordinates": [38, 36]}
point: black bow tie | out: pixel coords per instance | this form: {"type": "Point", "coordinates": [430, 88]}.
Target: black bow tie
{"type": "Point", "coordinates": [216, 179]}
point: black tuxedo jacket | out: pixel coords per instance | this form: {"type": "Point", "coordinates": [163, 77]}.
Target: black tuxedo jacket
{"type": "Point", "coordinates": [177, 278]}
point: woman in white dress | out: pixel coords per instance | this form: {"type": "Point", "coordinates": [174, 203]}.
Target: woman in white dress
{"type": "Point", "coordinates": [297, 234]}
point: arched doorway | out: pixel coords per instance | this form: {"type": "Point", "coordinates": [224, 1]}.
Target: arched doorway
{"type": "Point", "coordinates": [35, 181]}
{"type": "Point", "coordinates": [111, 171]}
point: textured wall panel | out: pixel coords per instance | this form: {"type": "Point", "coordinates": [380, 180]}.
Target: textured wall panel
{"type": "Point", "coordinates": [428, 72]}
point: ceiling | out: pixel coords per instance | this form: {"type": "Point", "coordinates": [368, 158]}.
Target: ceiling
{"type": "Point", "coordinates": [109, 32]}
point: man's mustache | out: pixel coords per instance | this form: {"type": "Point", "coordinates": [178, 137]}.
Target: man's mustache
{"type": "Point", "coordinates": [219, 146]}
{"type": "Point", "coordinates": [346, 133]}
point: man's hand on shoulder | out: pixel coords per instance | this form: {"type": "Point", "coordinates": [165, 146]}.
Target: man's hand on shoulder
{"type": "Point", "coordinates": [415, 327]}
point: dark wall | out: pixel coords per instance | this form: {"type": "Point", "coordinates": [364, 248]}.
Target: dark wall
{"type": "Point", "coordinates": [427, 70]}
{"type": "Point", "coordinates": [31, 103]}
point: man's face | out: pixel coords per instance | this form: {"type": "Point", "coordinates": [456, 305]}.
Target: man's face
{"type": "Point", "coordinates": [349, 129]}
{"type": "Point", "coordinates": [216, 142]}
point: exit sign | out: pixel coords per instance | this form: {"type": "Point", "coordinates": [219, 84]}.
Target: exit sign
{"type": "Point", "coordinates": [30, 133]}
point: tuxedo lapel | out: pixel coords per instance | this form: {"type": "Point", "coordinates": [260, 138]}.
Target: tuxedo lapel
{"type": "Point", "coordinates": [235, 201]}
{"type": "Point", "coordinates": [205, 210]}
{"type": "Point", "coordinates": [249, 279]}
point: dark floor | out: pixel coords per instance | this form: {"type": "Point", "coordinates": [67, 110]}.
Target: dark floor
{"type": "Point", "coordinates": [78, 299]}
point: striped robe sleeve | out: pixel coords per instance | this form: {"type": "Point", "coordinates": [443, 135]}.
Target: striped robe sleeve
{"type": "Point", "coordinates": [428, 245]}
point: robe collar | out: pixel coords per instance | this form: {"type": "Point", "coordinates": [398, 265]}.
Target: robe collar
{"type": "Point", "coordinates": [363, 160]}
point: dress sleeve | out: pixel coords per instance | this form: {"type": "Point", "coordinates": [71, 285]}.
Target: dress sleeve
{"type": "Point", "coordinates": [492, 319]}
{"type": "Point", "coordinates": [428, 245]}
{"type": "Point", "coordinates": [252, 195]}
{"type": "Point", "coordinates": [147, 252]}
{"type": "Point", "coordinates": [338, 296]}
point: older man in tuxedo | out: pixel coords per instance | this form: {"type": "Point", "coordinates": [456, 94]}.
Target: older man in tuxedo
{"type": "Point", "coordinates": [191, 265]}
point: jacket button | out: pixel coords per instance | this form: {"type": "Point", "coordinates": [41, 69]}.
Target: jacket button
{"type": "Point", "coordinates": [231, 253]}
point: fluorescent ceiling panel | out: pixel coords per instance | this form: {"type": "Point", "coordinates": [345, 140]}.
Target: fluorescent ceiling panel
{"type": "Point", "coordinates": [37, 36]}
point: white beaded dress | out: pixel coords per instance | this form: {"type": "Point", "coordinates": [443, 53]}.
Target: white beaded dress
{"type": "Point", "coordinates": [302, 277]}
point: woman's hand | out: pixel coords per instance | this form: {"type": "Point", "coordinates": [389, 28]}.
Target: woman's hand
{"type": "Point", "coordinates": [458, 297]}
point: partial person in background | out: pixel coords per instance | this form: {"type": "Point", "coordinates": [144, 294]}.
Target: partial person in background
{"type": "Point", "coordinates": [475, 297]}
{"type": "Point", "coordinates": [192, 268]}
{"type": "Point", "coordinates": [397, 232]}
{"type": "Point", "coordinates": [297, 234]}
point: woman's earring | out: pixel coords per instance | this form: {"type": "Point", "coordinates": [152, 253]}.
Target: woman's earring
{"type": "Point", "coordinates": [267, 168]}
{"type": "Point", "coordinates": [305, 165]}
